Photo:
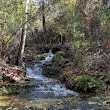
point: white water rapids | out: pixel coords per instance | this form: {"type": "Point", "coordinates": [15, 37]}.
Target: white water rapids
{"type": "Point", "coordinates": [46, 87]}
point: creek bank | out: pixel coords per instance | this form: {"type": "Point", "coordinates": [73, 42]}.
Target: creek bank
{"type": "Point", "coordinates": [76, 73]}
{"type": "Point", "coordinates": [70, 103]}
{"type": "Point", "coordinates": [76, 77]}
{"type": "Point", "coordinates": [34, 52]}
{"type": "Point", "coordinates": [32, 97]}
{"type": "Point", "coordinates": [11, 77]}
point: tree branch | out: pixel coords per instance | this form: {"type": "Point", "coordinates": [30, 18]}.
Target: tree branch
{"type": "Point", "coordinates": [34, 17]}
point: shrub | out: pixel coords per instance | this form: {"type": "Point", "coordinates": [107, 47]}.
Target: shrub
{"type": "Point", "coordinates": [58, 57]}
{"type": "Point", "coordinates": [86, 83]}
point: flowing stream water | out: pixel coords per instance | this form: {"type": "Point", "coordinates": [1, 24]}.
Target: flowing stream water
{"type": "Point", "coordinates": [44, 93]}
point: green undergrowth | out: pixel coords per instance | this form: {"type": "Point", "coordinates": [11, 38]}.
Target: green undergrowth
{"type": "Point", "coordinates": [58, 57]}
{"type": "Point", "coordinates": [88, 83]}
{"type": "Point", "coordinates": [9, 89]}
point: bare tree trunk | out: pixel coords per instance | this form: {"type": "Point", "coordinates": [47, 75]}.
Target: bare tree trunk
{"type": "Point", "coordinates": [23, 38]}
{"type": "Point", "coordinates": [43, 21]}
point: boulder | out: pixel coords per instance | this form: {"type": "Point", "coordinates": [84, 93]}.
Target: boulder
{"type": "Point", "coordinates": [51, 70]}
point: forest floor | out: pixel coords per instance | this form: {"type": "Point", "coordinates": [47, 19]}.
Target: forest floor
{"type": "Point", "coordinates": [11, 74]}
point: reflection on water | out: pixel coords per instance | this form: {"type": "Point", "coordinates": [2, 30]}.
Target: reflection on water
{"type": "Point", "coordinates": [43, 93]}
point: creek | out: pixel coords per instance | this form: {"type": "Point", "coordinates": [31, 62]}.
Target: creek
{"type": "Point", "coordinates": [44, 93]}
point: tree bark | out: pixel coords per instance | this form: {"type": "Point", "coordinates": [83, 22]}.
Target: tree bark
{"type": "Point", "coordinates": [23, 38]}
{"type": "Point", "coordinates": [43, 21]}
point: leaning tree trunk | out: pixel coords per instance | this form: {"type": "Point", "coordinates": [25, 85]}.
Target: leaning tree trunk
{"type": "Point", "coordinates": [23, 38]}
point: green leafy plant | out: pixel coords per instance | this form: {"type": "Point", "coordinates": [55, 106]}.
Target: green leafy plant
{"type": "Point", "coordinates": [87, 83]}
{"type": "Point", "coordinates": [104, 16]}
{"type": "Point", "coordinates": [58, 56]}
{"type": "Point", "coordinates": [107, 79]}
